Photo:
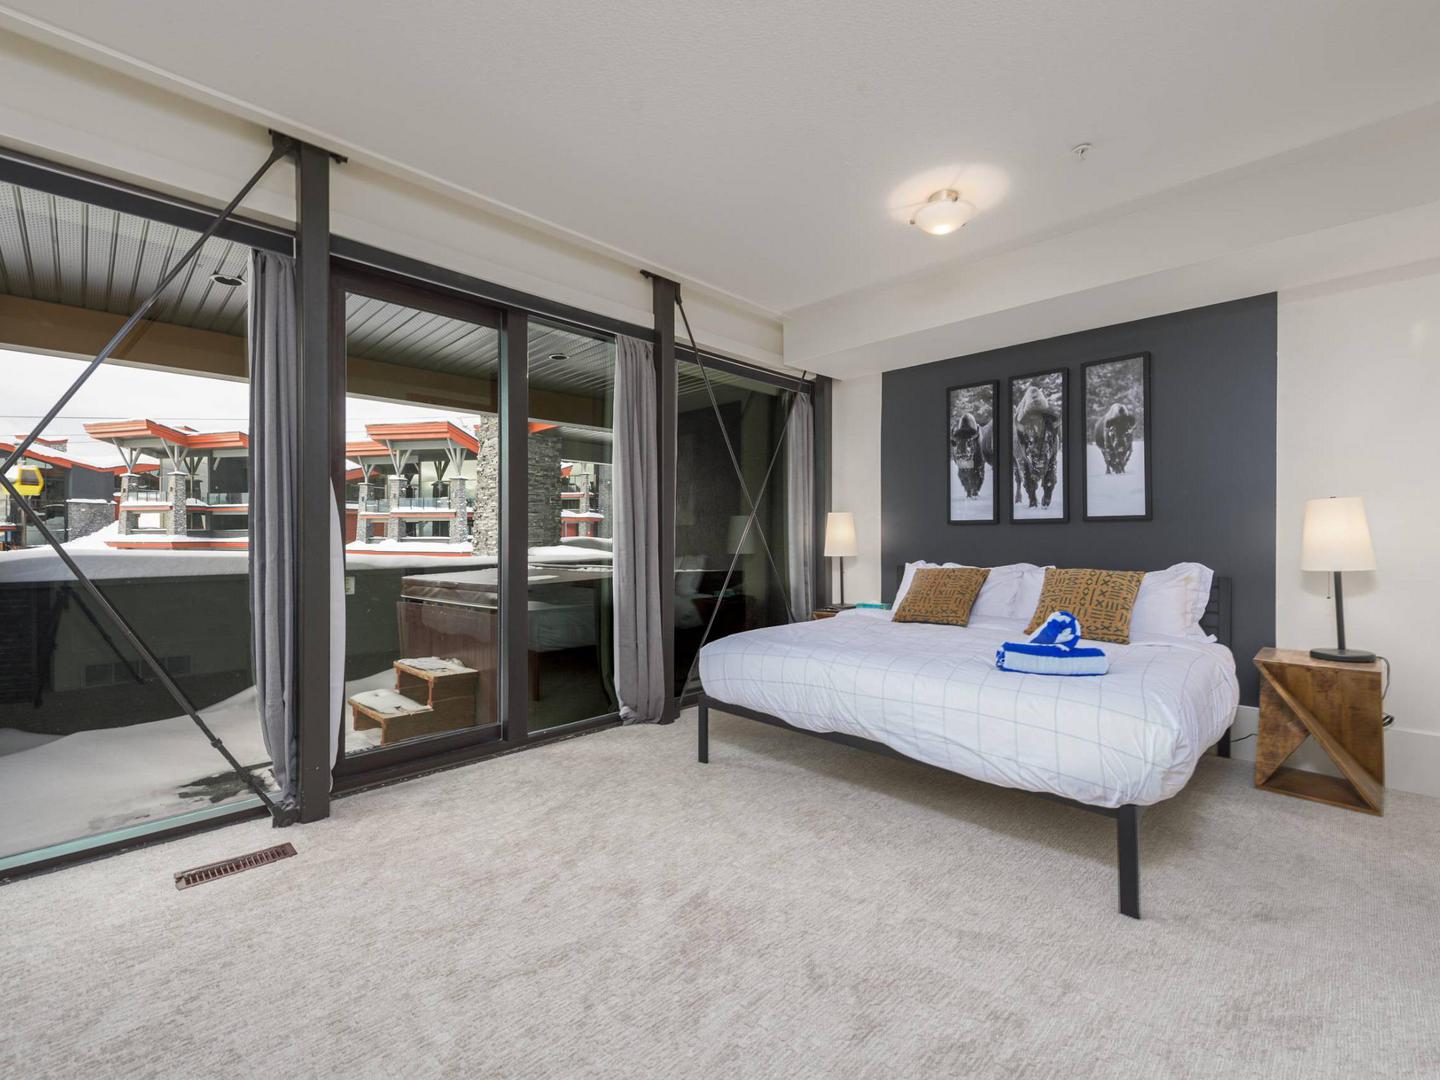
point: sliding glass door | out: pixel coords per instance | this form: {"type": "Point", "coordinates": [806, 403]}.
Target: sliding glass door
{"type": "Point", "coordinates": [727, 578]}
{"type": "Point", "coordinates": [423, 463]}
{"type": "Point", "coordinates": [143, 478]}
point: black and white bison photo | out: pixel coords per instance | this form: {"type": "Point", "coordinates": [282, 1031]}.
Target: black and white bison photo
{"type": "Point", "coordinates": [1037, 437]}
{"type": "Point", "coordinates": [1114, 434]}
{"type": "Point", "coordinates": [972, 452]}
{"type": "Point", "coordinates": [1116, 463]}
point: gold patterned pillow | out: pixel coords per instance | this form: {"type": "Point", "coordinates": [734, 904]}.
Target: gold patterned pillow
{"type": "Point", "coordinates": [1101, 599]}
{"type": "Point", "coordinates": [942, 594]}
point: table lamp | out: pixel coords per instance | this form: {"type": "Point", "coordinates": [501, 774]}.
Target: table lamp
{"type": "Point", "coordinates": [840, 543]}
{"type": "Point", "coordinates": [1336, 538]}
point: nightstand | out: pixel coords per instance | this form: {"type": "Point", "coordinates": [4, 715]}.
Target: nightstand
{"type": "Point", "coordinates": [1339, 706]}
{"type": "Point", "coordinates": [829, 611]}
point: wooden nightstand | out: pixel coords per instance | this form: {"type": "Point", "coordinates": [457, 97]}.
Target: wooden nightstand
{"type": "Point", "coordinates": [829, 611]}
{"type": "Point", "coordinates": [1336, 704]}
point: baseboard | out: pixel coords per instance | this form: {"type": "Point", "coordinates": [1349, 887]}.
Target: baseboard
{"type": "Point", "coordinates": [1412, 758]}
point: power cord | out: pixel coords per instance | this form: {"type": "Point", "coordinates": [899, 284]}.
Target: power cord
{"type": "Point", "coordinates": [1387, 718]}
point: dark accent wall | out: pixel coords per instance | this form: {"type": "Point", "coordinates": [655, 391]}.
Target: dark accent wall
{"type": "Point", "coordinates": [1212, 407]}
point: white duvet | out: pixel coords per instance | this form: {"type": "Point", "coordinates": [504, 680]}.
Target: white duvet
{"type": "Point", "coordinates": [933, 693]}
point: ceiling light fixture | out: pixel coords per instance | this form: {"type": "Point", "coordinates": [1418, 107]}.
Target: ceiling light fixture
{"type": "Point", "coordinates": [558, 356]}
{"type": "Point", "coordinates": [228, 280]}
{"type": "Point", "coordinates": [943, 213]}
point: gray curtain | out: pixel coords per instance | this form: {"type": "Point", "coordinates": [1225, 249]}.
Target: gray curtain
{"type": "Point", "coordinates": [639, 654]}
{"type": "Point", "coordinates": [274, 424]}
{"type": "Point", "coordinates": [800, 507]}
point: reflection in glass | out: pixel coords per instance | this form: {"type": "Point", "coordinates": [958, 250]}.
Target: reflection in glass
{"type": "Point", "coordinates": [422, 450]}
{"type": "Point", "coordinates": [711, 511]}
{"type": "Point", "coordinates": [144, 477]}
{"type": "Point", "coordinates": [570, 651]}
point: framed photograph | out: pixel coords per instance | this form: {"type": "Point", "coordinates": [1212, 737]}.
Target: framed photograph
{"type": "Point", "coordinates": [973, 413]}
{"type": "Point", "coordinates": [1039, 405]}
{"type": "Point", "coordinates": [1116, 396]}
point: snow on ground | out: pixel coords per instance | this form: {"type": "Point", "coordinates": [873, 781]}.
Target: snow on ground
{"type": "Point", "coordinates": [393, 554]}
{"type": "Point", "coordinates": [962, 506]}
{"type": "Point", "coordinates": [12, 740]}
{"type": "Point", "coordinates": [100, 561]}
{"type": "Point", "coordinates": [1114, 495]}
{"type": "Point", "coordinates": [95, 781]}
{"type": "Point", "coordinates": [59, 788]}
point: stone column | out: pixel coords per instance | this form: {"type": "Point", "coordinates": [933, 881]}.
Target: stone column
{"type": "Point", "coordinates": [179, 487]}
{"type": "Point", "coordinates": [605, 483]}
{"type": "Point", "coordinates": [459, 530]}
{"type": "Point", "coordinates": [85, 516]}
{"type": "Point", "coordinates": [124, 516]}
{"type": "Point", "coordinates": [486, 534]}
{"type": "Point", "coordinates": [394, 486]}
{"type": "Point", "coordinates": [545, 487]}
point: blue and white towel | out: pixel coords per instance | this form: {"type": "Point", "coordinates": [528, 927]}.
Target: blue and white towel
{"type": "Point", "coordinates": [1054, 649]}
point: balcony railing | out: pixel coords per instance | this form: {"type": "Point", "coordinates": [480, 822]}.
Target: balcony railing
{"type": "Point", "coordinates": [409, 502]}
{"type": "Point", "coordinates": [228, 498]}
{"type": "Point", "coordinates": [145, 495]}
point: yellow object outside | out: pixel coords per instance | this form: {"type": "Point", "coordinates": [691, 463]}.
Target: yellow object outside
{"type": "Point", "coordinates": [27, 480]}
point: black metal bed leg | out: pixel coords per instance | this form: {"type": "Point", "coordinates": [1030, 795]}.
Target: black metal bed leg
{"type": "Point", "coordinates": [704, 747]}
{"type": "Point", "coordinates": [1127, 837]}
{"type": "Point", "coordinates": [1223, 746]}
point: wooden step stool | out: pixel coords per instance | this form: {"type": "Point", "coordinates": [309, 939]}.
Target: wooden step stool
{"type": "Point", "coordinates": [431, 695]}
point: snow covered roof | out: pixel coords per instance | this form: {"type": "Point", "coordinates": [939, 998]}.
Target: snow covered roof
{"type": "Point", "coordinates": [99, 458]}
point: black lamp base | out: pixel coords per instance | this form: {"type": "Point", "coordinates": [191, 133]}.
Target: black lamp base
{"type": "Point", "coordinates": [1344, 656]}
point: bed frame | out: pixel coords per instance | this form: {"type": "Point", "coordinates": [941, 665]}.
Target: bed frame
{"type": "Point", "coordinates": [1127, 818]}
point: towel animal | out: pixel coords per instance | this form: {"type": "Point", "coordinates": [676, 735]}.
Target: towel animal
{"type": "Point", "coordinates": [1054, 649]}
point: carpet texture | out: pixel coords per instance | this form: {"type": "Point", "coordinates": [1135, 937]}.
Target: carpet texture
{"type": "Point", "coordinates": [607, 907]}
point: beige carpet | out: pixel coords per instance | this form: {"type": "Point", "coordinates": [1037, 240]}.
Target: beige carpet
{"type": "Point", "coordinates": [607, 907]}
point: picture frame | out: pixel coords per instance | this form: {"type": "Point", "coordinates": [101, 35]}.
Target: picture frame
{"type": "Point", "coordinates": [1038, 416]}
{"type": "Point", "coordinates": [974, 429]}
{"type": "Point", "coordinates": [1116, 475]}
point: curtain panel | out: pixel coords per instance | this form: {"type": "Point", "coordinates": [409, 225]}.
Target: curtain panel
{"type": "Point", "coordinates": [800, 507]}
{"type": "Point", "coordinates": [274, 428]}
{"type": "Point", "coordinates": [640, 678]}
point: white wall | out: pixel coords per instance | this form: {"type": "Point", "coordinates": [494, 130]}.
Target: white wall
{"type": "Point", "coordinates": [1359, 386]}
{"type": "Point", "coordinates": [855, 481]}
{"type": "Point", "coordinates": [1359, 383]}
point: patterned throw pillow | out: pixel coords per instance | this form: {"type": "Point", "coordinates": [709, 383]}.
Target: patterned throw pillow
{"type": "Point", "coordinates": [942, 595]}
{"type": "Point", "coordinates": [1101, 599]}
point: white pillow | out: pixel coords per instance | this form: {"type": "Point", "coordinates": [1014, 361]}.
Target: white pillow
{"type": "Point", "coordinates": [999, 597]}
{"type": "Point", "coordinates": [1171, 603]}
{"type": "Point", "coordinates": [1027, 594]}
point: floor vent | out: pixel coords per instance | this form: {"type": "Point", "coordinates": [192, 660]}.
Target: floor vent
{"type": "Point", "coordinates": [210, 871]}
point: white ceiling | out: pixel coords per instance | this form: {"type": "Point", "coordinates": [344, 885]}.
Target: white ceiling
{"type": "Point", "coordinates": [765, 149]}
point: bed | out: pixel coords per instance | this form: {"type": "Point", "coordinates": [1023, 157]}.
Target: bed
{"type": "Point", "coordinates": [1111, 744]}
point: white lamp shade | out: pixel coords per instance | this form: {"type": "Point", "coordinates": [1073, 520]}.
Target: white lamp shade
{"type": "Point", "coordinates": [741, 542]}
{"type": "Point", "coordinates": [1336, 536]}
{"type": "Point", "coordinates": [840, 535]}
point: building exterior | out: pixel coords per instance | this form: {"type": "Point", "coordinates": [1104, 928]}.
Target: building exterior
{"type": "Point", "coordinates": [195, 491]}
{"type": "Point", "coordinates": [412, 482]}
{"type": "Point", "coordinates": [77, 497]}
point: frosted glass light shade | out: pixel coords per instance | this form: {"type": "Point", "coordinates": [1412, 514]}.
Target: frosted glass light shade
{"type": "Point", "coordinates": [1336, 536]}
{"type": "Point", "coordinates": [840, 535]}
{"type": "Point", "coordinates": [943, 214]}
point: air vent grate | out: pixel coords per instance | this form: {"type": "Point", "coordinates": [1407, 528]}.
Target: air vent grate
{"type": "Point", "coordinates": [211, 871]}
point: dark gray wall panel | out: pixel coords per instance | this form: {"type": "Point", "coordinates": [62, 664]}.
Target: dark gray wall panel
{"type": "Point", "coordinates": [1213, 412]}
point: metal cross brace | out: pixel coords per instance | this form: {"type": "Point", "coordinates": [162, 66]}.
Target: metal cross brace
{"type": "Point", "coordinates": [750, 521]}
{"type": "Point", "coordinates": [280, 815]}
